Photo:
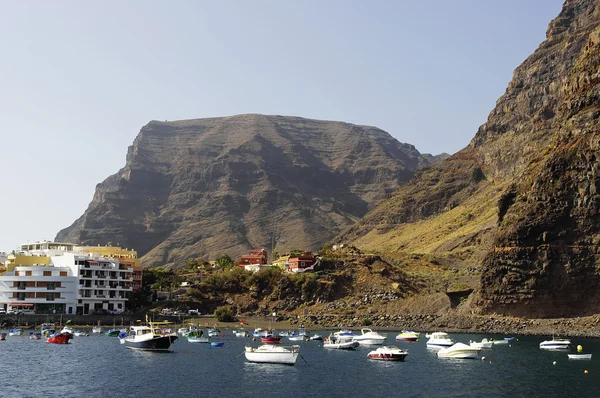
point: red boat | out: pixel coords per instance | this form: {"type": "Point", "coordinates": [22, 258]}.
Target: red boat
{"type": "Point", "coordinates": [61, 338]}
{"type": "Point", "coordinates": [388, 354]}
{"type": "Point", "coordinates": [270, 339]}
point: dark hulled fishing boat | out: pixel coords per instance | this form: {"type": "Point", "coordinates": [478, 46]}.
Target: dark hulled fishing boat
{"type": "Point", "coordinates": [149, 338]}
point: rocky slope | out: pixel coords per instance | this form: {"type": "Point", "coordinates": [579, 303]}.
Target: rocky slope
{"type": "Point", "coordinates": [205, 187]}
{"type": "Point", "coordinates": [519, 206]}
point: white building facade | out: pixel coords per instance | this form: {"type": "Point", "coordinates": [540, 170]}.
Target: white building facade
{"type": "Point", "coordinates": [55, 279]}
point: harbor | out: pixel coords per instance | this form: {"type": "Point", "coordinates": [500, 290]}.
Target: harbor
{"type": "Point", "coordinates": [518, 368]}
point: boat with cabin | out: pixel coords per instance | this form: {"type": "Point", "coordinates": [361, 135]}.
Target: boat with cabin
{"type": "Point", "coordinates": [15, 332]}
{"type": "Point", "coordinates": [386, 353]}
{"type": "Point", "coordinates": [439, 339]}
{"type": "Point", "coordinates": [556, 344]}
{"type": "Point", "coordinates": [270, 339]}
{"type": "Point", "coordinates": [407, 335]}
{"type": "Point", "coordinates": [458, 351]}
{"type": "Point", "coordinates": [369, 337]}
{"type": "Point", "coordinates": [338, 342]}
{"type": "Point", "coordinates": [286, 355]}
{"type": "Point", "coordinates": [149, 337]}
{"type": "Point", "coordinates": [484, 343]}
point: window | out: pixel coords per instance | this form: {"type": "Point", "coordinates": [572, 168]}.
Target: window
{"type": "Point", "coordinates": [63, 273]}
{"type": "Point", "coordinates": [51, 286]}
{"type": "Point", "coordinates": [47, 273]}
{"type": "Point", "coordinates": [16, 273]}
{"type": "Point", "coordinates": [49, 296]}
{"type": "Point", "coordinates": [27, 273]}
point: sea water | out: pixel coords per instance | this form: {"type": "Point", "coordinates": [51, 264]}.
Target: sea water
{"type": "Point", "coordinates": [98, 366]}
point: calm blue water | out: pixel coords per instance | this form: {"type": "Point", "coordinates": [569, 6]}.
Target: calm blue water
{"type": "Point", "coordinates": [98, 366]}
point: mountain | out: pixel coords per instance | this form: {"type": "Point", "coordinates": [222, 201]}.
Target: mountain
{"type": "Point", "coordinates": [206, 187]}
{"type": "Point", "coordinates": [516, 214]}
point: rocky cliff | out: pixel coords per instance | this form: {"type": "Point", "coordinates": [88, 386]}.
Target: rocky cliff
{"type": "Point", "coordinates": [518, 207]}
{"type": "Point", "coordinates": [201, 188]}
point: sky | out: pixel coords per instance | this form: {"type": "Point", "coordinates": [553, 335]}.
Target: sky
{"type": "Point", "coordinates": [78, 79]}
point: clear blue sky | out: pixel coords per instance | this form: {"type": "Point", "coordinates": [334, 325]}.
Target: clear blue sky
{"type": "Point", "coordinates": [79, 78]}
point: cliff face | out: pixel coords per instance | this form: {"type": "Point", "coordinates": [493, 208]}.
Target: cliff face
{"type": "Point", "coordinates": [520, 203]}
{"type": "Point", "coordinates": [225, 185]}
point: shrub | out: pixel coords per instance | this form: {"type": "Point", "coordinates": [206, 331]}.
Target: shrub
{"type": "Point", "coordinates": [366, 322]}
{"type": "Point", "coordinates": [224, 314]}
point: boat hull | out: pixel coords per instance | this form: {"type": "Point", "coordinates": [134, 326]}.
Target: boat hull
{"type": "Point", "coordinates": [160, 343]}
{"type": "Point", "coordinates": [284, 357]}
{"type": "Point", "coordinates": [580, 356]}
{"type": "Point", "coordinates": [61, 338]}
{"type": "Point", "coordinates": [270, 340]}
{"type": "Point", "coordinates": [198, 339]}
{"type": "Point", "coordinates": [409, 339]}
{"type": "Point", "coordinates": [370, 341]}
{"type": "Point", "coordinates": [346, 345]}
{"type": "Point", "coordinates": [460, 355]}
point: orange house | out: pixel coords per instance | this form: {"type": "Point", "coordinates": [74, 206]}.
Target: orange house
{"type": "Point", "coordinates": [254, 257]}
{"type": "Point", "coordinates": [302, 262]}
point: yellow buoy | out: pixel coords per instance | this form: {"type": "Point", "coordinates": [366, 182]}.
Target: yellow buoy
{"type": "Point", "coordinates": [554, 363]}
{"type": "Point", "coordinates": [579, 348]}
{"type": "Point", "coordinates": [586, 371]}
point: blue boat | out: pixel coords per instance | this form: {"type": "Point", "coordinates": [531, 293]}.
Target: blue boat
{"type": "Point", "coordinates": [217, 344]}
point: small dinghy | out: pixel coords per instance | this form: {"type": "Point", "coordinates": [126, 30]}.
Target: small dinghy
{"type": "Point", "coordinates": [217, 344]}
{"type": "Point", "coordinates": [580, 356]}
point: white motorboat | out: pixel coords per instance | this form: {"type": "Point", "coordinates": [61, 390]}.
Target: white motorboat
{"type": "Point", "coordinates": [340, 343]}
{"type": "Point", "coordinates": [439, 339]}
{"type": "Point", "coordinates": [388, 354]}
{"type": "Point", "coordinates": [198, 339]}
{"type": "Point", "coordinates": [344, 333]}
{"type": "Point", "coordinates": [15, 332]}
{"type": "Point", "coordinates": [499, 342]}
{"type": "Point", "coordinates": [296, 338]}
{"type": "Point", "coordinates": [484, 343]}
{"type": "Point", "coordinates": [214, 332]}
{"type": "Point", "coordinates": [80, 333]}
{"type": "Point", "coordinates": [458, 351]}
{"type": "Point", "coordinates": [369, 337]}
{"type": "Point", "coordinates": [97, 329]}
{"type": "Point", "coordinates": [241, 333]}
{"type": "Point", "coordinates": [580, 356]}
{"type": "Point", "coordinates": [316, 337]}
{"type": "Point", "coordinates": [268, 353]}
{"type": "Point", "coordinates": [556, 344]}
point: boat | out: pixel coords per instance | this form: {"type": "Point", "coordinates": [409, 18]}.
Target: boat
{"type": "Point", "coordinates": [270, 339]}
{"type": "Point", "coordinates": [15, 332]}
{"type": "Point", "coordinates": [2, 336]}
{"type": "Point", "coordinates": [273, 354]}
{"type": "Point", "coordinates": [35, 335]}
{"type": "Point", "coordinates": [59, 338]}
{"type": "Point", "coordinates": [344, 333]}
{"type": "Point", "coordinates": [149, 337]}
{"type": "Point", "coordinates": [484, 343]}
{"type": "Point", "coordinates": [439, 339]}
{"type": "Point", "coordinates": [556, 344]}
{"type": "Point", "coordinates": [113, 332]}
{"type": "Point", "coordinates": [121, 337]}
{"type": "Point", "coordinates": [317, 337]}
{"type": "Point", "coordinates": [217, 344]}
{"type": "Point", "coordinates": [214, 332]}
{"type": "Point", "coordinates": [407, 335]}
{"type": "Point", "coordinates": [499, 341]}
{"type": "Point", "coordinates": [67, 329]}
{"type": "Point", "coordinates": [284, 333]}
{"type": "Point", "coordinates": [340, 343]}
{"type": "Point", "coordinates": [580, 356]}
{"type": "Point", "coordinates": [510, 338]}
{"type": "Point", "coordinates": [80, 333]}
{"type": "Point", "coordinates": [296, 338]}
{"type": "Point", "coordinates": [303, 333]}
{"type": "Point", "coordinates": [258, 332]}
{"type": "Point", "coordinates": [388, 354]}
{"type": "Point", "coordinates": [369, 337]}
{"type": "Point", "coordinates": [97, 329]}
{"type": "Point", "coordinates": [241, 333]}
{"type": "Point", "coordinates": [47, 329]}
{"type": "Point", "coordinates": [198, 337]}
{"type": "Point", "coordinates": [458, 351]}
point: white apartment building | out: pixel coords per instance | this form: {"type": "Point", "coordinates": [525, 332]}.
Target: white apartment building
{"type": "Point", "coordinates": [51, 277]}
